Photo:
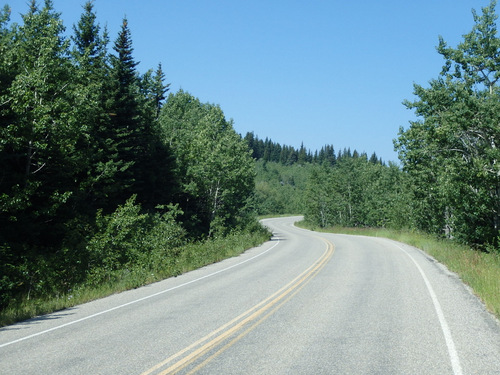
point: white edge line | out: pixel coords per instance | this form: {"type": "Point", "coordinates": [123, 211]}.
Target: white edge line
{"type": "Point", "coordinates": [137, 300]}
{"type": "Point", "coordinates": [452, 351]}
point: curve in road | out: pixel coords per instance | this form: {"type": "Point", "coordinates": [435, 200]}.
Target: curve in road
{"type": "Point", "coordinates": [302, 303]}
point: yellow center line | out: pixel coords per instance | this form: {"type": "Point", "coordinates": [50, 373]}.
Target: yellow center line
{"type": "Point", "coordinates": [251, 315]}
{"type": "Point", "coordinates": [256, 324]}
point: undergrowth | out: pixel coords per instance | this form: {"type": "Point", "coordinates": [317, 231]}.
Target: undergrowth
{"type": "Point", "coordinates": [185, 258]}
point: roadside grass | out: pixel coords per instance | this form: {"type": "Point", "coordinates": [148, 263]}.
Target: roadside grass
{"type": "Point", "coordinates": [189, 257]}
{"type": "Point", "coordinates": [479, 270]}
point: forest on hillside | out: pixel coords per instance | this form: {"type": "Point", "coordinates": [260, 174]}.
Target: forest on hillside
{"type": "Point", "coordinates": [102, 168]}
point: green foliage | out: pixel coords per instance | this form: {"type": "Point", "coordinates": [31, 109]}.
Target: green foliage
{"type": "Point", "coordinates": [189, 256]}
{"type": "Point", "coordinates": [128, 239]}
{"type": "Point", "coordinates": [320, 197]}
{"type": "Point", "coordinates": [279, 189]}
{"type": "Point", "coordinates": [451, 154]}
{"type": "Point", "coordinates": [36, 106]}
{"type": "Point", "coordinates": [214, 164]}
{"type": "Point", "coordinates": [267, 150]}
{"type": "Point", "coordinates": [79, 135]}
{"type": "Point", "coordinates": [356, 192]}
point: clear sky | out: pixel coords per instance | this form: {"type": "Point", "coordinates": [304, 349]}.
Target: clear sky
{"type": "Point", "coordinates": [316, 71]}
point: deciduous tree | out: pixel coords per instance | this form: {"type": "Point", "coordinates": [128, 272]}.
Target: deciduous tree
{"type": "Point", "coordinates": [452, 152]}
{"type": "Point", "coordinates": [214, 163]}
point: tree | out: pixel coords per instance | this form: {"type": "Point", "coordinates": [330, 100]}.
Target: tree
{"type": "Point", "coordinates": [90, 45]}
{"type": "Point", "coordinates": [136, 105]}
{"type": "Point", "coordinates": [214, 163]}
{"type": "Point", "coordinates": [156, 162]}
{"type": "Point", "coordinates": [159, 89]}
{"type": "Point", "coordinates": [302, 155]}
{"type": "Point", "coordinates": [452, 153]}
{"type": "Point", "coordinates": [92, 72]}
{"type": "Point", "coordinates": [320, 197]}
{"type": "Point", "coordinates": [356, 192]}
{"type": "Point", "coordinates": [40, 149]}
{"type": "Point", "coordinates": [39, 144]}
{"type": "Point", "coordinates": [124, 113]}
{"type": "Point", "coordinates": [7, 71]}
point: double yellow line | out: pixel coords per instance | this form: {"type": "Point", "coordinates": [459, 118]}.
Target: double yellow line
{"type": "Point", "coordinates": [250, 319]}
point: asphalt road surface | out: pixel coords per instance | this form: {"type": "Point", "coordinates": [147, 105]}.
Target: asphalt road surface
{"type": "Point", "coordinates": [303, 303]}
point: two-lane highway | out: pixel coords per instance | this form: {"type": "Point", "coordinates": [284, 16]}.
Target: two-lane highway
{"type": "Point", "coordinates": [303, 303]}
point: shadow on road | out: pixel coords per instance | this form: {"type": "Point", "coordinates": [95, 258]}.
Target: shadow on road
{"type": "Point", "coordinates": [38, 319]}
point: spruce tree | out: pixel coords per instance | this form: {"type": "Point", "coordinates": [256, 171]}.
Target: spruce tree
{"type": "Point", "coordinates": [159, 89]}
{"type": "Point", "coordinates": [93, 87]}
{"type": "Point", "coordinates": [135, 105]}
{"type": "Point", "coordinates": [124, 115]}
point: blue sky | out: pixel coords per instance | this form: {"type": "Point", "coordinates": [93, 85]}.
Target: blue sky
{"type": "Point", "coordinates": [318, 72]}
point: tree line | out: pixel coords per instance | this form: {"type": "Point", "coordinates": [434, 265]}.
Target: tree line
{"type": "Point", "coordinates": [297, 181]}
{"type": "Point", "coordinates": [348, 189]}
{"type": "Point", "coordinates": [101, 168]}
{"type": "Point", "coordinates": [267, 150]}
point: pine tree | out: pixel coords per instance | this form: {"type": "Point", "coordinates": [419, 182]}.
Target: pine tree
{"type": "Point", "coordinates": [157, 181]}
{"type": "Point", "coordinates": [87, 36]}
{"type": "Point", "coordinates": [302, 155]}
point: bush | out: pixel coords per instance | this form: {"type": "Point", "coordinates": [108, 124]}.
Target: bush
{"type": "Point", "coordinates": [128, 239]}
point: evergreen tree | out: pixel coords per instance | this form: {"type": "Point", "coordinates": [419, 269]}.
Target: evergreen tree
{"type": "Point", "coordinates": [302, 154]}
{"type": "Point", "coordinates": [157, 163]}
{"type": "Point", "coordinates": [160, 88]}
{"type": "Point", "coordinates": [135, 104]}
{"type": "Point", "coordinates": [126, 123]}
{"type": "Point", "coordinates": [90, 45]}
{"type": "Point", "coordinates": [250, 139]}
{"type": "Point", "coordinates": [374, 158]}
{"type": "Point", "coordinates": [99, 141]}
{"type": "Point", "coordinates": [293, 157]}
{"type": "Point", "coordinates": [276, 152]}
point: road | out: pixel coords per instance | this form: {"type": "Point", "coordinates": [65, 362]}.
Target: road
{"type": "Point", "coordinates": [302, 303]}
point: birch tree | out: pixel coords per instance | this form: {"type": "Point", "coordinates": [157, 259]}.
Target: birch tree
{"type": "Point", "coordinates": [214, 163]}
